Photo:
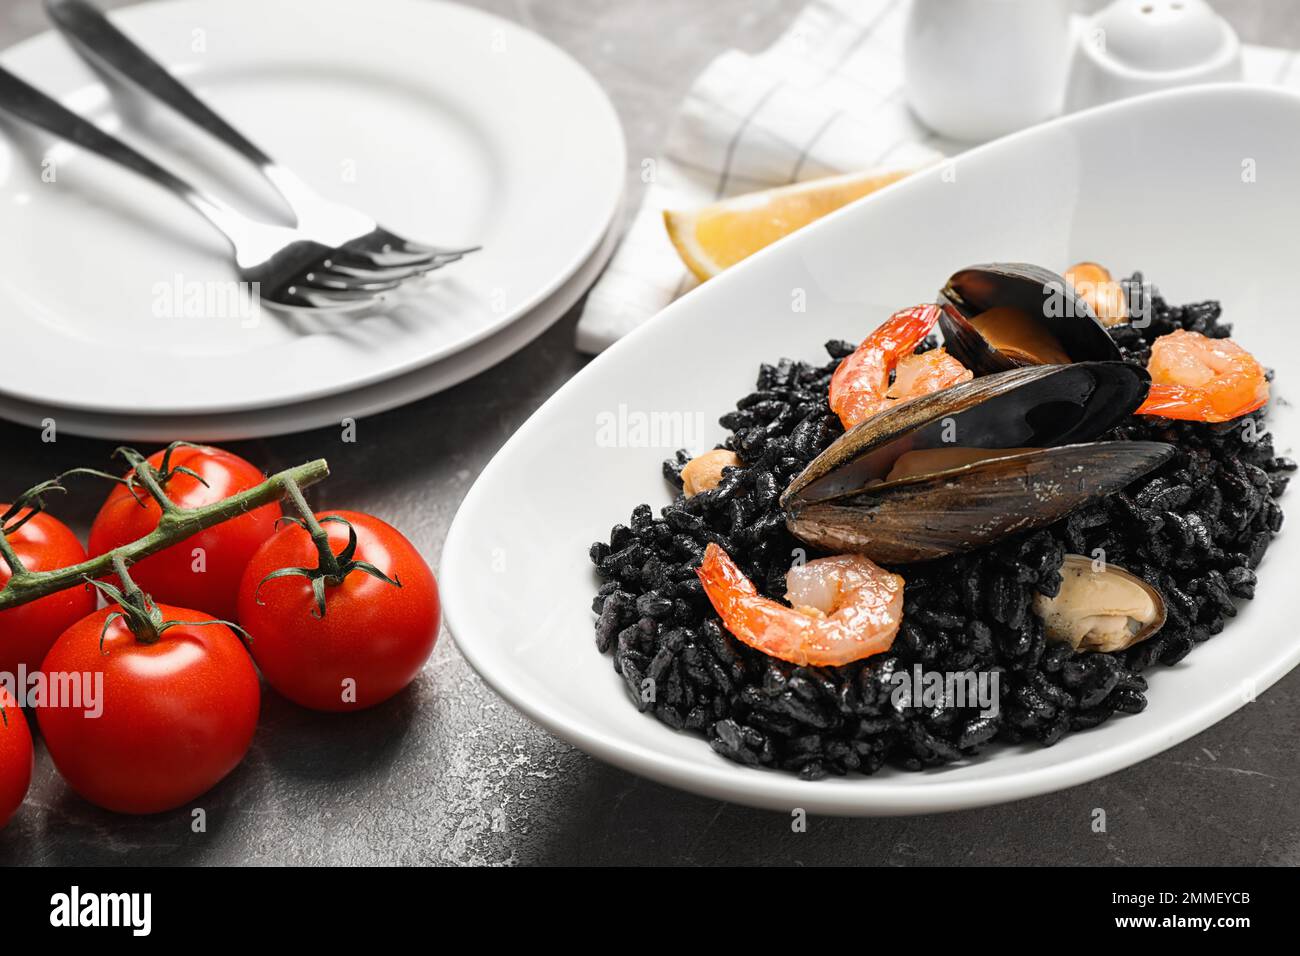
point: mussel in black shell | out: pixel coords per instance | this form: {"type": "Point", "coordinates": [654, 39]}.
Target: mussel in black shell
{"type": "Point", "coordinates": [1009, 315]}
{"type": "Point", "coordinates": [961, 468]}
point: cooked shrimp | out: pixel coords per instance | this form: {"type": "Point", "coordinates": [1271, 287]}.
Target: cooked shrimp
{"type": "Point", "coordinates": [704, 472]}
{"type": "Point", "coordinates": [845, 608]}
{"type": "Point", "coordinates": [860, 385]}
{"type": "Point", "coordinates": [921, 374]}
{"type": "Point", "coordinates": [1200, 379]}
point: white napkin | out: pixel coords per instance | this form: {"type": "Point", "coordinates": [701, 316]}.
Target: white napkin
{"type": "Point", "coordinates": [825, 98]}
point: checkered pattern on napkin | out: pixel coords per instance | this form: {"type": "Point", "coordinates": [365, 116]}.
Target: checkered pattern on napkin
{"type": "Point", "coordinates": [825, 98]}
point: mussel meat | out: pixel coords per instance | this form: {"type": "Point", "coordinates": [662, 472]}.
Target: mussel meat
{"type": "Point", "coordinates": [960, 468]}
{"type": "Point", "coordinates": [1100, 607]}
{"type": "Point", "coordinates": [1108, 298]}
{"type": "Point", "coordinates": [1009, 315]}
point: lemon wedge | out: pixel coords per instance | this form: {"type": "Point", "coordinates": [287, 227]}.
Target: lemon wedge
{"type": "Point", "coordinates": [719, 235]}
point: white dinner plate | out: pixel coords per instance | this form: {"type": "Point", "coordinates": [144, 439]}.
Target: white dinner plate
{"type": "Point", "coordinates": [332, 409]}
{"type": "Point", "coordinates": [1198, 188]}
{"type": "Point", "coordinates": [448, 125]}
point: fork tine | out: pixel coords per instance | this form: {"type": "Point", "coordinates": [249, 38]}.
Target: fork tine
{"type": "Point", "coordinates": [330, 280]}
{"type": "Point", "coordinates": [305, 302]}
{"type": "Point", "coordinates": [332, 299]}
{"type": "Point", "coordinates": [302, 307]}
{"type": "Point", "coordinates": [362, 268]}
{"type": "Point", "coordinates": [406, 245]}
{"type": "Point", "coordinates": [376, 259]}
{"type": "Point", "coordinates": [390, 257]}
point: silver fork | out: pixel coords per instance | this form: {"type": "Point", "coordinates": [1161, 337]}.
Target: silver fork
{"type": "Point", "coordinates": [360, 241]}
{"type": "Point", "coordinates": [293, 271]}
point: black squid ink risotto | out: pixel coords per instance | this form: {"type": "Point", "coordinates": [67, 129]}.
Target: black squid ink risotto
{"type": "Point", "coordinates": [1191, 529]}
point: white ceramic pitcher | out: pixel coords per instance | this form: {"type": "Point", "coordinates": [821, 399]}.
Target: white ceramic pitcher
{"type": "Point", "coordinates": [977, 69]}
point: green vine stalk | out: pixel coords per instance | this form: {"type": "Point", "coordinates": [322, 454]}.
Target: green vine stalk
{"type": "Point", "coordinates": [174, 526]}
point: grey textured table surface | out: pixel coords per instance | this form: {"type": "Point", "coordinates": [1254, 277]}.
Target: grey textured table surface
{"type": "Point", "coordinates": [449, 773]}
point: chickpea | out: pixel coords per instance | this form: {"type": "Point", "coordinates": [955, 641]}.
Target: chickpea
{"type": "Point", "coordinates": [1095, 286]}
{"type": "Point", "coordinates": [703, 472]}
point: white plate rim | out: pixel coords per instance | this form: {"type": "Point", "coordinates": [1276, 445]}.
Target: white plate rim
{"type": "Point", "coordinates": [27, 58]}
{"type": "Point", "coordinates": [779, 791]}
{"type": "Point", "coordinates": [372, 400]}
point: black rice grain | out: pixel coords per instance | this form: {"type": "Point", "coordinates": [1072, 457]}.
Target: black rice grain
{"type": "Point", "coordinates": [1196, 528]}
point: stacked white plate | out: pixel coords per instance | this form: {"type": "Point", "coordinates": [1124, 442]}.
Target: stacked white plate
{"type": "Point", "coordinates": [118, 309]}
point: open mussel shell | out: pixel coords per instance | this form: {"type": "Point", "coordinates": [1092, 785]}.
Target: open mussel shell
{"type": "Point", "coordinates": [1044, 417]}
{"type": "Point", "coordinates": [964, 508]}
{"type": "Point", "coordinates": [1102, 609]}
{"type": "Point", "coordinates": [1036, 406]}
{"type": "Point", "coordinates": [1044, 297]}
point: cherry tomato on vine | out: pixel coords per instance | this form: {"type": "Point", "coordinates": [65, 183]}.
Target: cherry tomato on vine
{"type": "Point", "coordinates": [202, 571]}
{"type": "Point", "coordinates": [16, 757]}
{"type": "Point", "coordinates": [176, 715]}
{"type": "Point", "coordinates": [373, 637]}
{"type": "Point", "coordinates": [43, 543]}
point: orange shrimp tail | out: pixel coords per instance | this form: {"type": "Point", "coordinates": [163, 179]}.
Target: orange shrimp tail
{"type": "Point", "coordinates": [1189, 404]}
{"type": "Point", "coordinates": [859, 384]}
{"type": "Point", "coordinates": [729, 591]}
{"type": "Point", "coordinates": [722, 578]}
{"type": "Point", "coordinates": [902, 332]}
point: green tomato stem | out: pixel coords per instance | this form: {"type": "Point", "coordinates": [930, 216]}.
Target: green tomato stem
{"type": "Point", "coordinates": [135, 608]}
{"type": "Point", "coordinates": [329, 562]}
{"type": "Point", "coordinates": [129, 588]}
{"type": "Point", "coordinates": [175, 525]}
{"type": "Point", "coordinates": [148, 476]}
{"type": "Point", "coordinates": [7, 552]}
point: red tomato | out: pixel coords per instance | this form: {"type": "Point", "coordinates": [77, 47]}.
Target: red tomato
{"type": "Point", "coordinates": [26, 632]}
{"type": "Point", "coordinates": [178, 576]}
{"type": "Point", "coordinates": [177, 715]}
{"type": "Point", "coordinates": [15, 757]}
{"type": "Point", "coordinates": [374, 637]}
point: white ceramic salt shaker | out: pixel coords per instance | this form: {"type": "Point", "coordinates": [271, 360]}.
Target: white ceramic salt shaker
{"type": "Point", "coordinates": [976, 69]}
{"type": "Point", "coordinates": [1138, 46]}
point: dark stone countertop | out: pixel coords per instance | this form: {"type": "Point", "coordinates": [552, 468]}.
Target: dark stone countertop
{"type": "Point", "coordinates": [449, 773]}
